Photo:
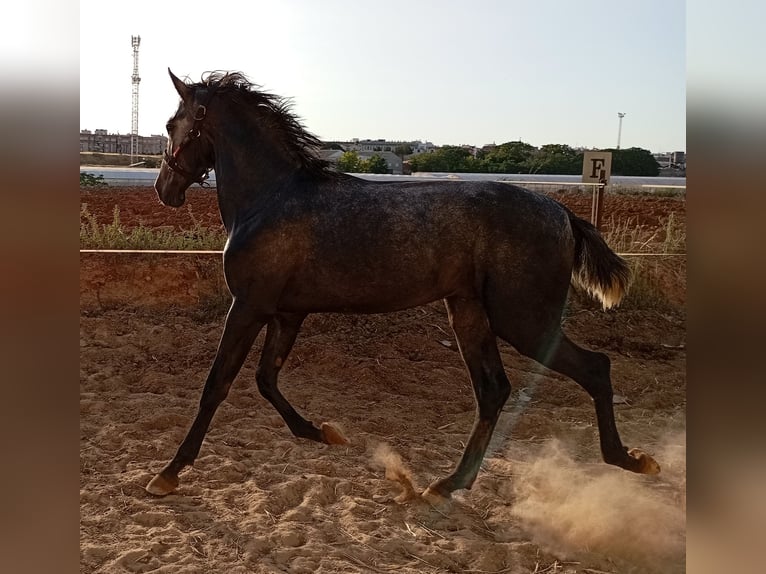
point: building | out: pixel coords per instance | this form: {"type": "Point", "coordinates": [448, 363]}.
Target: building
{"type": "Point", "coordinates": [381, 145]}
{"type": "Point", "coordinates": [663, 159]}
{"type": "Point", "coordinates": [101, 141]}
{"type": "Point", "coordinates": [671, 160]}
{"type": "Point", "coordinates": [678, 158]}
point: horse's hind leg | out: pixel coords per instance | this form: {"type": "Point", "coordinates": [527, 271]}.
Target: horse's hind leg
{"type": "Point", "coordinates": [280, 337]}
{"type": "Point", "coordinates": [478, 348]}
{"type": "Point", "coordinates": [239, 333]}
{"type": "Point", "coordinates": [591, 371]}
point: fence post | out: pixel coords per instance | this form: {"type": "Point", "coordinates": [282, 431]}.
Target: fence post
{"type": "Point", "coordinates": [597, 206]}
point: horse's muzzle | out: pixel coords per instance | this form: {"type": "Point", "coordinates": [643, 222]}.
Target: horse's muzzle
{"type": "Point", "coordinates": [170, 187]}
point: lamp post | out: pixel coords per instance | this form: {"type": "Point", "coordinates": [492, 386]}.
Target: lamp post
{"type": "Point", "coordinates": [619, 129]}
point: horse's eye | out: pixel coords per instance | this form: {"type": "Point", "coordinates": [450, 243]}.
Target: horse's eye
{"type": "Point", "coordinates": [169, 128]}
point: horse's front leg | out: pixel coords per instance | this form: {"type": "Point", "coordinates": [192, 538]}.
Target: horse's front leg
{"type": "Point", "coordinates": [478, 348]}
{"type": "Point", "coordinates": [241, 328]}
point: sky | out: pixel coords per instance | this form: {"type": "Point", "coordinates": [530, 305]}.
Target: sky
{"type": "Point", "coordinates": [449, 72]}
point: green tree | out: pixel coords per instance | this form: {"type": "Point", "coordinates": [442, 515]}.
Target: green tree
{"type": "Point", "coordinates": [350, 162]}
{"type": "Point", "coordinates": [376, 164]}
{"type": "Point", "coordinates": [446, 159]}
{"type": "Point", "coordinates": [422, 162]}
{"type": "Point", "coordinates": [508, 157]}
{"type": "Point", "coordinates": [557, 159]}
{"type": "Point", "coordinates": [634, 161]}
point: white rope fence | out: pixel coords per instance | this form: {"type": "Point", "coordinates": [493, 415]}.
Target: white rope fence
{"type": "Point", "coordinates": [154, 251]}
{"type": "Point", "coordinates": [214, 252]}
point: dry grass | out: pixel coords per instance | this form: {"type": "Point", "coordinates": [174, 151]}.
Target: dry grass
{"type": "Point", "coordinates": [117, 159]}
{"type": "Point", "coordinates": [657, 258]}
{"type": "Point", "coordinates": [114, 235]}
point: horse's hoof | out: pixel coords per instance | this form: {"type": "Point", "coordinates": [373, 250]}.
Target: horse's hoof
{"type": "Point", "coordinates": [435, 497]}
{"type": "Point", "coordinates": [644, 464]}
{"type": "Point", "coordinates": [161, 485]}
{"type": "Point", "coordinates": [332, 435]}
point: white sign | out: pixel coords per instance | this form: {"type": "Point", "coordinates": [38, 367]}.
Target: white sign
{"type": "Point", "coordinates": [596, 166]}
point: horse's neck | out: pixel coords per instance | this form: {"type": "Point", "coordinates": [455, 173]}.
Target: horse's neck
{"type": "Point", "coordinates": [247, 179]}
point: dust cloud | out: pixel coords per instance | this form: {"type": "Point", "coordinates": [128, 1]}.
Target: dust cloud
{"type": "Point", "coordinates": [396, 471]}
{"type": "Point", "coordinates": [599, 509]}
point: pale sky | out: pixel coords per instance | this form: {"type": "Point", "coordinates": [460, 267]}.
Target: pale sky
{"type": "Point", "coordinates": [449, 72]}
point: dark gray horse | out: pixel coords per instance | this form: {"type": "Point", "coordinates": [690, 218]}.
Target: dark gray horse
{"type": "Point", "coordinates": [304, 239]}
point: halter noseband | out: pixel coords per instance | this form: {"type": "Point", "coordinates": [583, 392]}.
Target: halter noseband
{"type": "Point", "coordinates": [193, 134]}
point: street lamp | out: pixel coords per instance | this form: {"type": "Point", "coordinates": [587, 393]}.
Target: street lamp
{"type": "Point", "coordinates": [619, 129]}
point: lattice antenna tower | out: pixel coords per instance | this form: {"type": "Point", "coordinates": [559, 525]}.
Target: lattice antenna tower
{"type": "Point", "coordinates": [135, 42]}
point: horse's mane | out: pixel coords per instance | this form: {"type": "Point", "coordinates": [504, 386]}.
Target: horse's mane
{"type": "Point", "coordinates": [299, 143]}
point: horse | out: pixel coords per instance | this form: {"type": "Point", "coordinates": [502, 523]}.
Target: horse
{"type": "Point", "coordinates": [303, 238]}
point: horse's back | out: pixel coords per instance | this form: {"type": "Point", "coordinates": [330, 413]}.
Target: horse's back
{"type": "Point", "coordinates": [515, 246]}
{"type": "Point", "coordinates": [490, 219]}
{"type": "Point", "coordinates": [497, 206]}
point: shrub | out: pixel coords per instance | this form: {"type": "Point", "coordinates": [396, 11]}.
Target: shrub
{"type": "Point", "coordinates": [90, 180]}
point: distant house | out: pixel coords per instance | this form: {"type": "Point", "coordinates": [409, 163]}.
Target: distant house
{"type": "Point", "coordinates": [663, 159]}
{"type": "Point", "coordinates": [678, 158]}
{"type": "Point", "coordinates": [331, 155]}
{"type": "Point", "coordinates": [393, 161]}
{"type": "Point", "coordinates": [674, 160]}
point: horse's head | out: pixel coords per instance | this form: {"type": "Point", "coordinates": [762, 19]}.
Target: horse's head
{"type": "Point", "coordinates": [189, 154]}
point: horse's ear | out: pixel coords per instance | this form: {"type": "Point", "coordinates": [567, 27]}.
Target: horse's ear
{"type": "Point", "coordinates": [181, 87]}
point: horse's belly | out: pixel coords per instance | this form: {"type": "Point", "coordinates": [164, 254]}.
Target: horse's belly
{"type": "Point", "coordinates": [363, 293]}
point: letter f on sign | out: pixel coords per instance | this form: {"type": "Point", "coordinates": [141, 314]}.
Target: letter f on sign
{"type": "Point", "coordinates": [597, 165]}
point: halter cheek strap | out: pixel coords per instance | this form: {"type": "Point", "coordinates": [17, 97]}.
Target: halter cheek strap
{"type": "Point", "coordinates": [193, 134]}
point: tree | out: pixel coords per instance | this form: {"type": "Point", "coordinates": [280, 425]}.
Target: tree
{"type": "Point", "coordinates": [376, 164]}
{"type": "Point", "coordinates": [521, 157]}
{"type": "Point", "coordinates": [350, 162]}
{"type": "Point", "coordinates": [508, 157]}
{"type": "Point", "coordinates": [634, 161]}
{"type": "Point", "coordinates": [422, 162]}
{"type": "Point", "coordinates": [557, 159]}
{"type": "Point", "coordinates": [446, 159]}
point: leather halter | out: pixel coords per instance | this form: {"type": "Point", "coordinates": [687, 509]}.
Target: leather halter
{"type": "Point", "coordinates": [192, 135]}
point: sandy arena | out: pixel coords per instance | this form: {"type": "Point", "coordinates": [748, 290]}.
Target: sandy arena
{"type": "Point", "coordinates": [260, 500]}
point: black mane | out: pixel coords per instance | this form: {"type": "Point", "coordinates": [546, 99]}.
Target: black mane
{"type": "Point", "coordinates": [302, 145]}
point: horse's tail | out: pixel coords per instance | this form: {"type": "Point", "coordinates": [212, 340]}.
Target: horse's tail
{"type": "Point", "coordinates": [597, 269]}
